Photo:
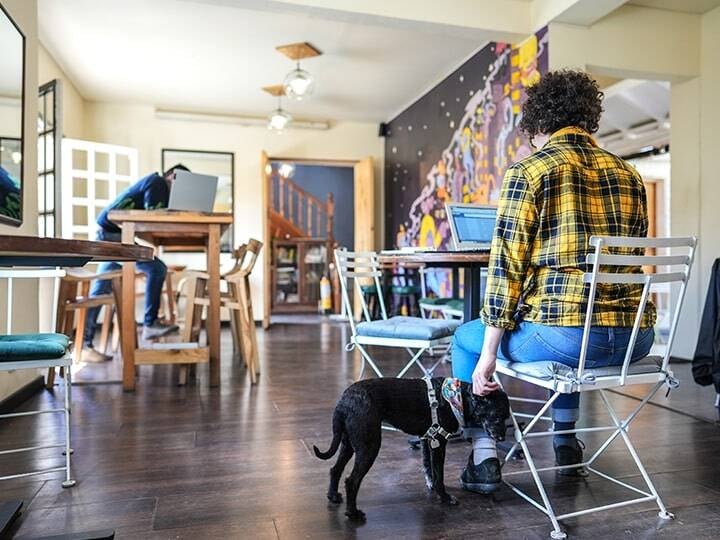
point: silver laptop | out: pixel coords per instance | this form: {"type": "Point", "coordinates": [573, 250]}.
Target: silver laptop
{"type": "Point", "coordinates": [472, 225]}
{"type": "Point", "coordinates": [192, 191]}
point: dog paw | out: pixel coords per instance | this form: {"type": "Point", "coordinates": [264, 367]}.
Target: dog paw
{"type": "Point", "coordinates": [335, 498]}
{"type": "Point", "coordinates": [448, 499]}
{"type": "Point", "coordinates": [358, 516]}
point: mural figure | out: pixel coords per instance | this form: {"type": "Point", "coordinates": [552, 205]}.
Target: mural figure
{"type": "Point", "coordinates": [485, 142]}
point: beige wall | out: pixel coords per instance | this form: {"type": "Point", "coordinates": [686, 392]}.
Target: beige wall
{"type": "Point", "coordinates": [138, 127]}
{"type": "Point", "coordinates": [24, 13]}
{"type": "Point", "coordinates": [73, 104]}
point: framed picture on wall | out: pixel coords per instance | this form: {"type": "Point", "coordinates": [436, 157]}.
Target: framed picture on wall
{"type": "Point", "coordinates": [220, 164]}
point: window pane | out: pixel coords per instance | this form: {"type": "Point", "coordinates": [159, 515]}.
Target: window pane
{"type": "Point", "coordinates": [41, 154]}
{"type": "Point", "coordinates": [41, 193]}
{"type": "Point", "coordinates": [102, 162]}
{"type": "Point", "coordinates": [49, 110]}
{"type": "Point", "coordinates": [80, 187]}
{"type": "Point", "coordinates": [50, 156]}
{"type": "Point", "coordinates": [50, 227]}
{"type": "Point", "coordinates": [122, 164]}
{"type": "Point", "coordinates": [102, 189]}
{"type": "Point", "coordinates": [80, 215]}
{"type": "Point", "coordinates": [50, 193]}
{"type": "Point", "coordinates": [79, 159]}
{"type": "Point", "coordinates": [41, 226]}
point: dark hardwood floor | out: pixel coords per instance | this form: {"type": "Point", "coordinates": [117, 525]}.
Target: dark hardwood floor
{"type": "Point", "coordinates": [191, 462]}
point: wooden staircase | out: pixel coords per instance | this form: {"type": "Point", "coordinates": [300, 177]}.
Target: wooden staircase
{"type": "Point", "coordinates": [295, 213]}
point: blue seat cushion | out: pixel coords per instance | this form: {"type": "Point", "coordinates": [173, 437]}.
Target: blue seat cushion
{"type": "Point", "coordinates": [33, 347]}
{"type": "Point", "coordinates": [551, 370]}
{"type": "Point", "coordinates": [408, 328]}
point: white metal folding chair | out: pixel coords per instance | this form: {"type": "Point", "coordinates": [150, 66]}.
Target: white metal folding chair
{"type": "Point", "coordinates": [65, 362]}
{"type": "Point", "coordinates": [414, 334]}
{"type": "Point", "coordinates": [559, 379]}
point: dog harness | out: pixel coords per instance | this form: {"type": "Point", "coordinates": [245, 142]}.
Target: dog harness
{"type": "Point", "coordinates": [451, 393]}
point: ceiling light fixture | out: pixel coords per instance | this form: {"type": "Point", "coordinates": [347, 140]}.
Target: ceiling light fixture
{"type": "Point", "coordinates": [279, 119]}
{"type": "Point", "coordinates": [299, 83]}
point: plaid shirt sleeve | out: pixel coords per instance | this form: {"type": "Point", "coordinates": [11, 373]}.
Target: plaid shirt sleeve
{"type": "Point", "coordinates": [515, 230]}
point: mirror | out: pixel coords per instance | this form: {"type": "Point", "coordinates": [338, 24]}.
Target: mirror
{"type": "Point", "coordinates": [12, 68]}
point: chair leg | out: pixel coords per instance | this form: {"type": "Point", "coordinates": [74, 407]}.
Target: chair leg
{"type": "Point", "coordinates": [248, 328]}
{"type": "Point", "coordinates": [69, 482]}
{"type": "Point", "coordinates": [50, 380]}
{"type": "Point", "coordinates": [80, 320]}
{"type": "Point", "coordinates": [105, 329]}
{"type": "Point", "coordinates": [171, 315]}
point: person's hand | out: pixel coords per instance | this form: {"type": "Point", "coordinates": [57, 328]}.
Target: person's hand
{"type": "Point", "coordinates": [482, 375]}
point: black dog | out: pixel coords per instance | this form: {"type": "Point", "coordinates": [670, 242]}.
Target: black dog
{"type": "Point", "coordinates": [402, 403]}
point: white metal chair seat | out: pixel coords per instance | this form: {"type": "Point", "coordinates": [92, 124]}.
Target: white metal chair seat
{"type": "Point", "coordinates": [37, 351]}
{"type": "Point", "coordinates": [560, 379]}
{"type": "Point", "coordinates": [564, 379]}
{"type": "Point", "coordinates": [414, 334]}
{"type": "Point", "coordinates": [414, 328]}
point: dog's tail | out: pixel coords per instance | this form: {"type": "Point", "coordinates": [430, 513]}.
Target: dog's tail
{"type": "Point", "coordinates": [338, 430]}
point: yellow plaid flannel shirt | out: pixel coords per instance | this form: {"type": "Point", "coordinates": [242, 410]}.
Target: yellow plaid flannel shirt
{"type": "Point", "coordinates": [551, 203]}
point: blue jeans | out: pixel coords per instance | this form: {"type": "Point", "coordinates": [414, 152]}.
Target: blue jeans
{"type": "Point", "coordinates": [531, 342]}
{"type": "Point", "coordinates": [155, 272]}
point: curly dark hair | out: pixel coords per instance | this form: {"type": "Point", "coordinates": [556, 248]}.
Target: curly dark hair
{"type": "Point", "coordinates": [562, 98]}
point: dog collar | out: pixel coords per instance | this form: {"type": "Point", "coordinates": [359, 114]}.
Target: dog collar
{"type": "Point", "coordinates": [452, 393]}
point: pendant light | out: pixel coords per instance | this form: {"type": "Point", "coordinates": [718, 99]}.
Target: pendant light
{"type": "Point", "coordinates": [279, 119]}
{"type": "Point", "coordinates": [298, 83]}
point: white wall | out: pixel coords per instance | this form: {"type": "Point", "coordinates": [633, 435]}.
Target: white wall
{"type": "Point", "coordinates": [73, 104]}
{"type": "Point", "coordinates": [24, 13]}
{"type": "Point", "coordinates": [138, 127]}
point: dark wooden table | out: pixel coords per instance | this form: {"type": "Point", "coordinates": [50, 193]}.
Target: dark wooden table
{"type": "Point", "coordinates": [470, 262]}
{"type": "Point", "coordinates": [51, 252]}
{"type": "Point", "coordinates": [166, 228]}
{"type": "Point", "coordinates": [30, 251]}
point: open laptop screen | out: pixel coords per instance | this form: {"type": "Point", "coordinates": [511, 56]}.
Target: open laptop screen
{"type": "Point", "coordinates": [473, 225]}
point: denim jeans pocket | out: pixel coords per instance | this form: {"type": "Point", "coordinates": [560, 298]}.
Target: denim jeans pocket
{"type": "Point", "coordinates": [563, 350]}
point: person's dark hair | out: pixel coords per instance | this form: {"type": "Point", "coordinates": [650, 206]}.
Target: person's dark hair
{"type": "Point", "coordinates": [175, 168]}
{"type": "Point", "coordinates": [562, 98]}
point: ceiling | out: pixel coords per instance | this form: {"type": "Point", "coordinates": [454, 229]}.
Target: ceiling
{"type": "Point", "coordinates": [213, 56]}
{"type": "Point", "coordinates": [685, 6]}
{"type": "Point", "coordinates": [636, 115]}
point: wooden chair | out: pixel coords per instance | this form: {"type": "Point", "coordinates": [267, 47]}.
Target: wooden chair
{"type": "Point", "coordinates": [73, 302]}
{"type": "Point", "coordinates": [237, 299]}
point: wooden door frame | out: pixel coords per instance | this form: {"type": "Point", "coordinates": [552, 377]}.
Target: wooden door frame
{"type": "Point", "coordinates": [265, 160]}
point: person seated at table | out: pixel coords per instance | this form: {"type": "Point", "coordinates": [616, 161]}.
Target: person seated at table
{"type": "Point", "coordinates": [535, 302]}
{"type": "Point", "coordinates": [151, 192]}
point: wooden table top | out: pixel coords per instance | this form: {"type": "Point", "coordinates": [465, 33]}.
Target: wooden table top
{"type": "Point", "coordinates": [34, 251]}
{"type": "Point", "coordinates": [170, 216]}
{"type": "Point", "coordinates": [437, 258]}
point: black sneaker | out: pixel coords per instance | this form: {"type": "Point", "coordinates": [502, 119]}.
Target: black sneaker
{"type": "Point", "coordinates": [570, 454]}
{"type": "Point", "coordinates": [484, 478]}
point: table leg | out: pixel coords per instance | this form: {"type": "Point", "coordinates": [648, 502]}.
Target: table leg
{"type": "Point", "coordinates": [128, 332]}
{"type": "Point", "coordinates": [455, 283]}
{"type": "Point", "coordinates": [213, 312]}
{"type": "Point", "coordinates": [473, 293]}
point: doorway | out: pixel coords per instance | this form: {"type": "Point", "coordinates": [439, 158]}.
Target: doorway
{"type": "Point", "coordinates": [312, 208]}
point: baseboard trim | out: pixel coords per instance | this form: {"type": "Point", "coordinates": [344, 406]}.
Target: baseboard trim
{"type": "Point", "coordinates": [21, 395]}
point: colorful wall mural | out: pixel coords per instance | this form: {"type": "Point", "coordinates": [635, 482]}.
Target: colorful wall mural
{"type": "Point", "coordinates": [456, 142]}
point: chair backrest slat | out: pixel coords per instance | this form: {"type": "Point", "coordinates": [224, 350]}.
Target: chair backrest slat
{"type": "Point", "coordinates": [359, 266]}
{"type": "Point", "coordinates": [626, 266]}
{"type": "Point", "coordinates": [638, 279]}
{"type": "Point", "coordinates": [608, 259]}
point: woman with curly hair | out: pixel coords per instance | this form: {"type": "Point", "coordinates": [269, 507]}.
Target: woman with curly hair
{"type": "Point", "coordinates": [551, 203]}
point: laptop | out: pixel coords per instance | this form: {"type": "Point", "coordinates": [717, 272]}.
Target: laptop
{"type": "Point", "coordinates": [472, 225]}
{"type": "Point", "coordinates": [191, 191]}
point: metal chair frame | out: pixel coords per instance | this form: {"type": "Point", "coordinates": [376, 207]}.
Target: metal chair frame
{"type": "Point", "coordinates": [64, 362]}
{"type": "Point", "coordinates": [365, 266]}
{"type": "Point", "coordinates": [583, 380]}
